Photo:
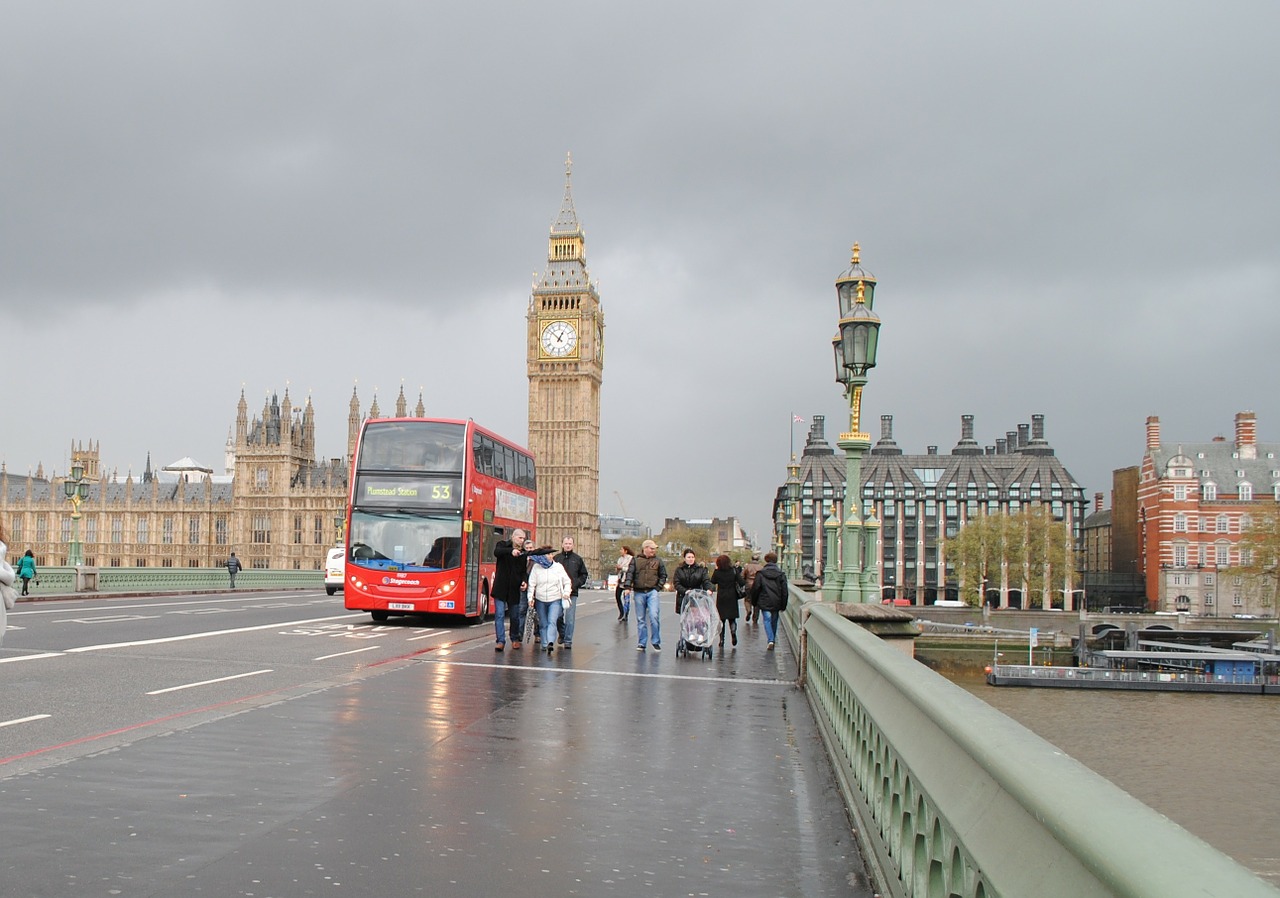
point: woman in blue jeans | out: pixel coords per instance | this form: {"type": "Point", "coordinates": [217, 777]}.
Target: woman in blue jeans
{"type": "Point", "coordinates": [549, 588]}
{"type": "Point", "coordinates": [769, 595]}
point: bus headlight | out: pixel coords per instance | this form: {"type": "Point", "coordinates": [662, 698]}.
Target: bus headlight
{"type": "Point", "coordinates": [446, 588]}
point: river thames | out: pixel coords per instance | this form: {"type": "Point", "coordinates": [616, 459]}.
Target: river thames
{"type": "Point", "coordinates": [1210, 762]}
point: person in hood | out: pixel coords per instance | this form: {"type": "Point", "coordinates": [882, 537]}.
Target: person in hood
{"type": "Point", "coordinates": [749, 571]}
{"type": "Point", "coordinates": [549, 591]}
{"type": "Point", "coordinates": [769, 595]}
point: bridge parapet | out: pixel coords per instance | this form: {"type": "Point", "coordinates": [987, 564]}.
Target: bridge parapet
{"type": "Point", "coordinates": [956, 799]}
{"type": "Point", "coordinates": [61, 580]}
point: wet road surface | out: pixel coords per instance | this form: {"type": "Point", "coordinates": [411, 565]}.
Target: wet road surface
{"type": "Point", "coordinates": [456, 770]}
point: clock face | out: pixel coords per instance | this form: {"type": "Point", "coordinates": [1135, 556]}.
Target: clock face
{"type": "Point", "coordinates": [559, 339]}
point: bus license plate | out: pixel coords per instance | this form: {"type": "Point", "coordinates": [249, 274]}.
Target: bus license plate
{"type": "Point", "coordinates": [400, 606]}
{"type": "Point", "coordinates": [446, 605]}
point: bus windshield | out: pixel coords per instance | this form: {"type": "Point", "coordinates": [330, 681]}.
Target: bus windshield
{"type": "Point", "coordinates": [413, 446]}
{"type": "Point", "coordinates": [403, 539]}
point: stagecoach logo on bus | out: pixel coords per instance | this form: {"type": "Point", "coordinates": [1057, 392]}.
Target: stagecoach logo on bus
{"type": "Point", "coordinates": [400, 581]}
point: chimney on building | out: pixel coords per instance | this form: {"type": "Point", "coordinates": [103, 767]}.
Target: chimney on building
{"type": "Point", "coordinates": [1153, 432]}
{"type": "Point", "coordinates": [1037, 427]}
{"type": "Point", "coordinates": [967, 445]}
{"type": "Point", "coordinates": [966, 427]}
{"type": "Point", "coordinates": [1247, 434]}
{"type": "Point", "coordinates": [886, 445]}
{"type": "Point", "coordinates": [931, 450]}
{"type": "Point", "coordinates": [886, 427]}
{"type": "Point", "coordinates": [1097, 501]}
{"type": "Point", "coordinates": [1011, 441]}
{"type": "Point", "coordinates": [1001, 446]}
{"type": "Point", "coordinates": [1024, 435]}
{"type": "Point", "coordinates": [990, 450]}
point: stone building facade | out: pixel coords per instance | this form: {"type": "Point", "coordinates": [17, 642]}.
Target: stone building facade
{"type": "Point", "coordinates": [1193, 502]}
{"type": "Point", "coordinates": [277, 506]}
{"type": "Point", "coordinates": [566, 367]}
{"type": "Point", "coordinates": [923, 500]}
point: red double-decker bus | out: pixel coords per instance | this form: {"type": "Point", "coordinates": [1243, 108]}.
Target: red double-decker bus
{"type": "Point", "coordinates": [429, 498]}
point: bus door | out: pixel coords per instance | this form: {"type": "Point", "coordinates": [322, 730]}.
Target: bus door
{"type": "Point", "coordinates": [471, 573]}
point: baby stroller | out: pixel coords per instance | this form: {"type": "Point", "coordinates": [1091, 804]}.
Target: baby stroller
{"type": "Point", "coordinates": [698, 623]}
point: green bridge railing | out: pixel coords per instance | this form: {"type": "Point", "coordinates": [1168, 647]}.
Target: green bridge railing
{"type": "Point", "coordinates": [63, 580]}
{"type": "Point", "coordinates": [955, 800]}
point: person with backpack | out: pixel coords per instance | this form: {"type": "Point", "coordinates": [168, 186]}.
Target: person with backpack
{"type": "Point", "coordinates": [769, 595]}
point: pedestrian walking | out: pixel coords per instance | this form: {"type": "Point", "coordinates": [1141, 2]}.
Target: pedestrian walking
{"type": "Point", "coordinates": [691, 574]}
{"type": "Point", "coordinates": [576, 568]}
{"type": "Point", "coordinates": [27, 571]}
{"type": "Point", "coordinates": [769, 595]}
{"type": "Point", "coordinates": [649, 575]}
{"type": "Point", "coordinates": [749, 571]}
{"type": "Point", "coordinates": [8, 597]}
{"type": "Point", "coordinates": [728, 581]}
{"type": "Point", "coordinates": [233, 567]}
{"type": "Point", "coordinates": [549, 589]}
{"type": "Point", "coordinates": [622, 568]}
{"type": "Point", "coordinates": [507, 590]}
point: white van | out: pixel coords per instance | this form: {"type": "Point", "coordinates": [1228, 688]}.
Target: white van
{"type": "Point", "coordinates": [334, 569]}
{"type": "Point", "coordinates": [950, 603]}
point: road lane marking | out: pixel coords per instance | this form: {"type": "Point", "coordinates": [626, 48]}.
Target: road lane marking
{"type": "Point", "coordinates": [9, 723]}
{"type": "Point", "coordinates": [426, 635]}
{"type": "Point", "coordinates": [252, 673]}
{"type": "Point", "coordinates": [62, 606]}
{"type": "Point", "coordinates": [611, 673]}
{"type": "Point", "coordinates": [368, 648]}
{"type": "Point", "coordinates": [188, 636]}
{"type": "Point", "coordinates": [31, 657]}
{"type": "Point", "coordinates": [111, 619]}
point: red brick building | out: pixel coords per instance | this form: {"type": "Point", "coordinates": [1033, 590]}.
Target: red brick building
{"type": "Point", "coordinates": [1194, 499]}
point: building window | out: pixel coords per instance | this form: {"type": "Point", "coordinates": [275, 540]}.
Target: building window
{"type": "Point", "coordinates": [1208, 579]}
{"type": "Point", "coordinates": [42, 529]}
{"type": "Point", "coordinates": [91, 529]}
{"type": "Point", "coordinates": [117, 533]}
{"type": "Point", "coordinates": [1180, 555]}
{"type": "Point", "coordinates": [262, 529]}
{"type": "Point", "coordinates": [1182, 603]}
{"type": "Point", "coordinates": [193, 531]}
{"type": "Point", "coordinates": [1246, 492]}
{"type": "Point", "coordinates": [1203, 553]}
{"type": "Point", "coordinates": [1237, 600]}
{"type": "Point", "coordinates": [1180, 493]}
{"type": "Point", "coordinates": [143, 529]}
{"type": "Point", "coordinates": [166, 536]}
{"type": "Point", "coordinates": [1224, 524]}
{"type": "Point", "coordinates": [319, 530]}
{"type": "Point", "coordinates": [263, 479]}
{"type": "Point", "coordinates": [1179, 523]}
{"type": "Point", "coordinates": [1209, 492]}
{"type": "Point", "coordinates": [220, 530]}
{"type": "Point", "coordinates": [1222, 556]}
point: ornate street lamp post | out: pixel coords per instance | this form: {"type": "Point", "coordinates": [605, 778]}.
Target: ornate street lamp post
{"type": "Point", "coordinates": [854, 348]}
{"type": "Point", "coordinates": [77, 490]}
{"type": "Point", "coordinates": [791, 562]}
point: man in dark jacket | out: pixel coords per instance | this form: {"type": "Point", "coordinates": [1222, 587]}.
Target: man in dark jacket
{"type": "Point", "coordinates": [576, 568]}
{"type": "Point", "coordinates": [769, 595]}
{"type": "Point", "coordinates": [689, 575]}
{"type": "Point", "coordinates": [233, 568]}
{"type": "Point", "coordinates": [648, 576]}
{"type": "Point", "coordinates": [508, 581]}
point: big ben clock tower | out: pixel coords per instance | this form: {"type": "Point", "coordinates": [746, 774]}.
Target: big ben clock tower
{"type": "Point", "coordinates": [566, 366]}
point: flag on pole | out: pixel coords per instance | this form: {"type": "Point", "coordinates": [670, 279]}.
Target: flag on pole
{"type": "Point", "coordinates": [796, 419]}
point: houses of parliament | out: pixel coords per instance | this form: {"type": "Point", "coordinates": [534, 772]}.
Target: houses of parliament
{"type": "Point", "coordinates": [280, 507]}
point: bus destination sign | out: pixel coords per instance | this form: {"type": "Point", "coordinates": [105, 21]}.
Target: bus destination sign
{"type": "Point", "coordinates": [409, 491]}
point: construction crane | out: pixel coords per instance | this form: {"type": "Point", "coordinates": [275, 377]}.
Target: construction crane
{"type": "Point", "coordinates": [621, 503]}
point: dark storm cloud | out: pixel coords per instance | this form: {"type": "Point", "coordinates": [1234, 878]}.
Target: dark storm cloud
{"type": "Point", "coordinates": [1070, 209]}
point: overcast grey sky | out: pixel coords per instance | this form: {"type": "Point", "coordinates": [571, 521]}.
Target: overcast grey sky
{"type": "Point", "coordinates": [1071, 209]}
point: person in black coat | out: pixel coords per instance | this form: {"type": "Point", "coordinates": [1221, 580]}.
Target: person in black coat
{"type": "Point", "coordinates": [576, 568]}
{"type": "Point", "coordinates": [769, 595]}
{"type": "Point", "coordinates": [508, 582]}
{"type": "Point", "coordinates": [689, 575]}
{"type": "Point", "coordinates": [728, 580]}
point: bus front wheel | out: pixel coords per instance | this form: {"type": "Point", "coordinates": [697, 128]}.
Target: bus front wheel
{"type": "Point", "coordinates": [378, 616]}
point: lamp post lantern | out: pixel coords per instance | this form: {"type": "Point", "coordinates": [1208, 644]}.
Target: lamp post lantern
{"type": "Point", "coordinates": [854, 350]}
{"type": "Point", "coordinates": [77, 490]}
